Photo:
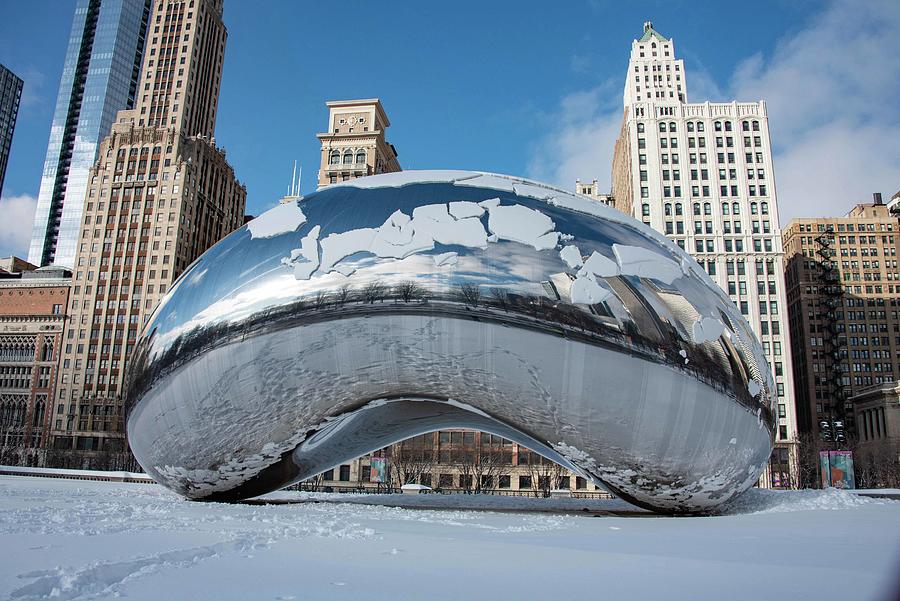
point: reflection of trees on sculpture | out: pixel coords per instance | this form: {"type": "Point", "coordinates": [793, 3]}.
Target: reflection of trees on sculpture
{"type": "Point", "coordinates": [373, 291]}
{"type": "Point", "coordinates": [409, 291]}
{"type": "Point", "coordinates": [343, 294]}
{"type": "Point", "coordinates": [469, 294]}
{"type": "Point", "coordinates": [529, 310]}
{"type": "Point", "coordinates": [501, 298]}
{"type": "Point", "coordinates": [321, 299]}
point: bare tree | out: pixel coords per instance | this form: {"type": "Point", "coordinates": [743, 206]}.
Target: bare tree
{"type": "Point", "coordinates": [501, 298]}
{"type": "Point", "coordinates": [465, 465]}
{"type": "Point", "coordinates": [374, 291]}
{"type": "Point", "coordinates": [409, 291]}
{"type": "Point", "coordinates": [808, 449]}
{"type": "Point", "coordinates": [411, 459]}
{"type": "Point", "coordinates": [321, 299]}
{"type": "Point", "coordinates": [491, 462]}
{"type": "Point", "coordinates": [343, 294]}
{"type": "Point", "coordinates": [878, 467]}
{"type": "Point", "coordinates": [470, 294]}
{"type": "Point", "coordinates": [544, 474]}
{"type": "Point", "coordinates": [315, 483]}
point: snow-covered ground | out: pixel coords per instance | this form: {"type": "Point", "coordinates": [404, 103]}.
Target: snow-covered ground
{"type": "Point", "coordinates": [69, 539]}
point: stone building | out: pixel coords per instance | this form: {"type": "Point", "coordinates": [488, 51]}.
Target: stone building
{"type": "Point", "coordinates": [33, 306]}
{"type": "Point", "coordinates": [160, 193]}
{"type": "Point", "coordinates": [355, 145]}
{"type": "Point", "coordinates": [876, 412]}
{"type": "Point", "coordinates": [592, 190]}
{"type": "Point", "coordinates": [702, 174]}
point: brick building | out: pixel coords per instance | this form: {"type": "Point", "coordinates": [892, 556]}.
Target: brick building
{"type": "Point", "coordinates": [843, 289]}
{"type": "Point", "coordinates": [32, 317]}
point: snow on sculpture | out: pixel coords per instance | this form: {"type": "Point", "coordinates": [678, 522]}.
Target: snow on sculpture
{"type": "Point", "coordinates": [394, 305]}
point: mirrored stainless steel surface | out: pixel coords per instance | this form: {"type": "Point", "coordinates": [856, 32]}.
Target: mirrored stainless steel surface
{"type": "Point", "coordinates": [395, 305]}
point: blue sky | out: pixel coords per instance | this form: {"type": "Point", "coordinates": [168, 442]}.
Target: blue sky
{"type": "Point", "coordinates": [524, 88]}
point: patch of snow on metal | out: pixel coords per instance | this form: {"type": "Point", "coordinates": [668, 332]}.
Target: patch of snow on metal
{"type": "Point", "coordinates": [753, 388]}
{"type": "Point", "coordinates": [707, 329]}
{"type": "Point", "coordinates": [276, 221]}
{"type": "Point", "coordinates": [645, 263]}
{"type": "Point", "coordinates": [572, 256]}
{"type": "Point", "coordinates": [521, 224]}
{"type": "Point", "coordinates": [446, 259]}
{"type": "Point", "coordinates": [405, 178]}
{"type": "Point", "coordinates": [600, 266]}
{"type": "Point", "coordinates": [463, 208]}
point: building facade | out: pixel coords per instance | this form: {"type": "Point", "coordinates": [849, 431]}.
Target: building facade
{"type": "Point", "coordinates": [32, 318]}
{"type": "Point", "coordinates": [100, 77]}
{"type": "Point", "coordinates": [160, 194]}
{"type": "Point", "coordinates": [592, 190]}
{"type": "Point", "coordinates": [843, 287]}
{"type": "Point", "coordinates": [702, 174]}
{"type": "Point", "coordinates": [459, 461]}
{"type": "Point", "coordinates": [355, 144]}
{"type": "Point", "coordinates": [876, 412]}
{"type": "Point", "coordinates": [10, 95]}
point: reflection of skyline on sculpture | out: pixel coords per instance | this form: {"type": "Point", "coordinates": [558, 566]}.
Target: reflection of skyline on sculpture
{"type": "Point", "coordinates": [438, 318]}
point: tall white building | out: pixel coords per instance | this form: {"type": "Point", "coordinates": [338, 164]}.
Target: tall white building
{"type": "Point", "coordinates": [702, 174]}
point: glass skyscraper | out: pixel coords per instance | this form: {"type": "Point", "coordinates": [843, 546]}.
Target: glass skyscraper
{"type": "Point", "coordinates": [10, 94]}
{"type": "Point", "coordinates": [99, 78]}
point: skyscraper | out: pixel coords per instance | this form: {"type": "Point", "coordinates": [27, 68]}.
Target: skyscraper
{"type": "Point", "coordinates": [159, 195]}
{"type": "Point", "coordinates": [99, 77]}
{"type": "Point", "coordinates": [10, 93]}
{"type": "Point", "coordinates": [702, 174]}
{"type": "Point", "coordinates": [355, 145]}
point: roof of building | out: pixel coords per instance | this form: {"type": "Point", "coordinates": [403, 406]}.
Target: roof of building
{"type": "Point", "coordinates": [650, 33]}
{"type": "Point", "coordinates": [331, 104]}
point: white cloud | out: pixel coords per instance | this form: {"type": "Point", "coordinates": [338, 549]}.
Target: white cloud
{"type": "Point", "coordinates": [32, 90]}
{"type": "Point", "coordinates": [580, 141]}
{"type": "Point", "coordinates": [832, 90]}
{"type": "Point", "coordinates": [16, 220]}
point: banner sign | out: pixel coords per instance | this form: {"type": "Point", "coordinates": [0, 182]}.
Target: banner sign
{"type": "Point", "coordinates": [377, 473]}
{"type": "Point", "coordinates": [837, 469]}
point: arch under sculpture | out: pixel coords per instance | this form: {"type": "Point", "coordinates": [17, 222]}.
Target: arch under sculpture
{"type": "Point", "coordinates": [390, 306]}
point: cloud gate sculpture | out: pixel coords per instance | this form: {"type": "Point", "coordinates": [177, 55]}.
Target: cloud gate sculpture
{"type": "Point", "coordinates": [390, 306]}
